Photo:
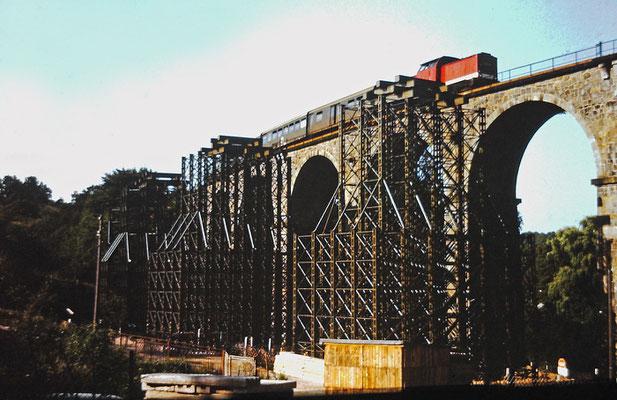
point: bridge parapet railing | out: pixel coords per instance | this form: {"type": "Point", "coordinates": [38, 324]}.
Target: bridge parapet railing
{"type": "Point", "coordinates": [599, 50]}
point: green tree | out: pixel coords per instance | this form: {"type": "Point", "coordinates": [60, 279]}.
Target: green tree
{"type": "Point", "coordinates": [92, 202]}
{"type": "Point", "coordinates": [569, 315]}
{"type": "Point", "coordinates": [575, 292]}
{"type": "Point", "coordinates": [48, 249]}
{"type": "Point", "coordinates": [42, 357]}
{"type": "Point", "coordinates": [89, 204]}
{"type": "Point", "coordinates": [25, 254]}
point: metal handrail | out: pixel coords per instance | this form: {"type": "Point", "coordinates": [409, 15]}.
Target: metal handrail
{"type": "Point", "coordinates": [599, 50]}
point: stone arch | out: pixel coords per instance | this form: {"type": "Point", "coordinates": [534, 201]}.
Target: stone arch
{"type": "Point", "coordinates": [538, 94]}
{"type": "Point", "coordinates": [315, 184]}
{"type": "Point", "coordinates": [589, 94]}
{"type": "Point", "coordinates": [493, 216]}
{"type": "Point", "coordinates": [508, 133]}
{"type": "Point", "coordinates": [328, 149]}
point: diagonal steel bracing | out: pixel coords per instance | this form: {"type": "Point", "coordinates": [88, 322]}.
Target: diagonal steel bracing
{"type": "Point", "coordinates": [221, 269]}
{"type": "Point", "coordinates": [392, 256]}
{"type": "Point", "coordinates": [396, 264]}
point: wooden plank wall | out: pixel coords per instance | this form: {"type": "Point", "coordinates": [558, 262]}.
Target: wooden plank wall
{"type": "Point", "coordinates": [379, 366]}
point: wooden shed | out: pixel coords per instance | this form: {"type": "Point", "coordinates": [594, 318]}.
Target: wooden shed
{"type": "Point", "coordinates": [383, 364]}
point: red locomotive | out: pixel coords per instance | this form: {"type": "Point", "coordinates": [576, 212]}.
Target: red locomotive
{"type": "Point", "coordinates": [480, 68]}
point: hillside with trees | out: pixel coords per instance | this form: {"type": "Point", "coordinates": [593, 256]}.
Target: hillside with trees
{"type": "Point", "coordinates": [48, 248]}
{"type": "Point", "coordinates": [47, 265]}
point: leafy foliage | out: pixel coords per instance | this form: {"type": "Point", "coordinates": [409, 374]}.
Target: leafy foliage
{"type": "Point", "coordinates": [47, 258]}
{"type": "Point", "coordinates": [48, 249]}
{"type": "Point", "coordinates": [568, 317]}
{"type": "Point", "coordinates": [146, 366]}
{"type": "Point", "coordinates": [42, 357]}
{"type": "Point", "coordinates": [27, 238]}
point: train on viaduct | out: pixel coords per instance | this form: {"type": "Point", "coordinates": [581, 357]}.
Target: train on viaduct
{"type": "Point", "coordinates": [388, 214]}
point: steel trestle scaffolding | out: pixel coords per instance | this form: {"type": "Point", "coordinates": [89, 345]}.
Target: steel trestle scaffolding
{"type": "Point", "coordinates": [133, 224]}
{"type": "Point", "coordinates": [396, 264]}
{"type": "Point", "coordinates": [221, 270]}
{"type": "Point", "coordinates": [393, 256]}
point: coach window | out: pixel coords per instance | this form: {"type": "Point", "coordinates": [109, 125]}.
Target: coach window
{"type": "Point", "coordinates": [285, 130]}
{"type": "Point", "coordinates": [333, 113]}
{"type": "Point", "coordinates": [303, 123]}
{"type": "Point", "coordinates": [319, 116]}
{"type": "Point", "coordinates": [297, 125]}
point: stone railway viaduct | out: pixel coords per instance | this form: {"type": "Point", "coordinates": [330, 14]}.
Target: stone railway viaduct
{"type": "Point", "coordinates": [517, 108]}
{"type": "Point", "coordinates": [418, 241]}
{"type": "Point", "coordinates": [514, 111]}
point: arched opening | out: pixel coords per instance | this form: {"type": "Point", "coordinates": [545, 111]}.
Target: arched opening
{"type": "Point", "coordinates": [557, 167]}
{"type": "Point", "coordinates": [564, 301]}
{"type": "Point", "coordinates": [495, 237]}
{"type": "Point", "coordinates": [312, 191]}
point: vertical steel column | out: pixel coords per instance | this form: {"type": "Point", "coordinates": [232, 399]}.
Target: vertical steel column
{"type": "Point", "coordinates": [406, 261]}
{"type": "Point", "coordinates": [417, 224]}
{"type": "Point", "coordinates": [354, 283]}
{"type": "Point", "coordinates": [461, 266]}
{"type": "Point", "coordinates": [278, 290]}
{"type": "Point", "coordinates": [236, 279]}
{"type": "Point", "coordinates": [283, 288]}
{"type": "Point", "coordinates": [294, 296]}
{"type": "Point", "coordinates": [313, 290]}
{"type": "Point", "coordinates": [333, 285]}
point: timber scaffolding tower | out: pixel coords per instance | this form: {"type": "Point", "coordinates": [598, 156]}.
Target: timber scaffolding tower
{"type": "Point", "coordinates": [390, 257]}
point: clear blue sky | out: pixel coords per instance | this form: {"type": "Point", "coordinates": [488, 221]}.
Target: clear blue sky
{"type": "Point", "coordinates": [87, 87]}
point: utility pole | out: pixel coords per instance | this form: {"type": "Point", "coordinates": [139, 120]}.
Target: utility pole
{"type": "Point", "coordinates": [98, 268]}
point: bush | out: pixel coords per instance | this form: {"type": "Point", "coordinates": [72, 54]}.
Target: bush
{"type": "Point", "coordinates": [176, 366]}
{"type": "Point", "coordinates": [41, 357]}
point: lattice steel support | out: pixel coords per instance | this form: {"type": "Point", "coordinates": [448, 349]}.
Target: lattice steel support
{"type": "Point", "coordinates": [132, 225]}
{"type": "Point", "coordinates": [396, 265]}
{"type": "Point", "coordinates": [223, 260]}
